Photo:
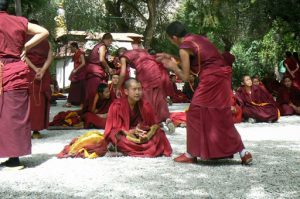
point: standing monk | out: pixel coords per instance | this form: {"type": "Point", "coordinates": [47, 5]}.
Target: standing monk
{"type": "Point", "coordinates": [131, 125]}
{"type": "Point", "coordinates": [97, 69]}
{"type": "Point", "coordinates": [210, 128]}
{"type": "Point", "coordinates": [39, 59]}
{"type": "Point", "coordinates": [154, 79]}
{"type": "Point", "coordinates": [15, 136]}
{"type": "Point", "coordinates": [77, 77]}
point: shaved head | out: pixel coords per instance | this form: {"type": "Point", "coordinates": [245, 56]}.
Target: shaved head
{"type": "Point", "coordinates": [129, 82]}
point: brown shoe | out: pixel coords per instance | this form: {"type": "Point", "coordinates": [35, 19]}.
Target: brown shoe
{"type": "Point", "coordinates": [247, 158]}
{"type": "Point", "coordinates": [183, 159]}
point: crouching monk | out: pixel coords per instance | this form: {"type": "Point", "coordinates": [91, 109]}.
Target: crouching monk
{"type": "Point", "coordinates": [131, 127]}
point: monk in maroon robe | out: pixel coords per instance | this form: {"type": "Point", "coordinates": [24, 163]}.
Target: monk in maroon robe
{"type": "Point", "coordinates": [113, 86]}
{"type": "Point", "coordinates": [97, 110]}
{"type": "Point", "coordinates": [236, 110]}
{"type": "Point", "coordinates": [178, 96]}
{"type": "Point", "coordinates": [39, 59]}
{"type": "Point", "coordinates": [15, 135]}
{"type": "Point", "coordinates": [288, 98]}
{"type": "Point", "coordinates": [97, 68]}
{"type": "Point", "coordinates": [154, 79]}
{"type": "Point", "coordinates": [256, 102]}
{"type": "Point", "coordinates": [210, 128]}
{"type": "Point", "coordinates": [293, 69]}
{"type": "Point", "coordinates": [130, 116]}
{"type": "Point", "coordinates": [77, 78]}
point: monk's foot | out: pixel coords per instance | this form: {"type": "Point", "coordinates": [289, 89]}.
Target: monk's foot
{"type": "Point", "coordinates": [184, 159]}
{"type": "Point", "coordinates": [247, 158]}
{"type": "Point", "coordinates": [36, 135]}
{"type": "Point", "coordinates": [170, 126]}
{"type": "Point", "coordinates": [251, 120]}
{"type": "Point", "coordinates": [13, 164]}
{"type": "Point", "coordinates": [68, 105]}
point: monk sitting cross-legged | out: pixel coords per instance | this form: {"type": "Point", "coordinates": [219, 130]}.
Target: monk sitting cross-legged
{"type": "Point", "coordinates": [131, 126]}
{"type": "Point", "coordinates": [257, 104]}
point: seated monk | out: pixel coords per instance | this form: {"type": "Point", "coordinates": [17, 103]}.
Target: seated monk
{"type": "Point", "coordinates": [257, 104]}
{"type": "Point", "coordinates": [256, 81]}
{"type": "Point", "coordinates": [190, 86]}
{"type": "Point", "coordinates": [236, 110]}
{"type": "Point", "coordinates": [131, 126]}
{"type": "Point", "coordinates": [178, 96]}
{"type": "Point", "coordinates": [96, 114]}
{"type": "Point", "coordinates": [288, 98]}
{"type": "Point", "coordinates": [113, 86]}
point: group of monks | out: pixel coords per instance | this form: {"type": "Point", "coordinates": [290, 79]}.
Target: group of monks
{"type": "Point", "coordinates": [133, 111]}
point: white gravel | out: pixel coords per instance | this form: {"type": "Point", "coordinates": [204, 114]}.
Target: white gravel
{"type": "Point", "coordinates": [274, 173]}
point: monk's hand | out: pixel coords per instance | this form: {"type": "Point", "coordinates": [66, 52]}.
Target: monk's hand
{"type": "Point", "coordinates": [233, 109]}
{"type": "Point", "coordinates": [23, 55]}
{"type": "Point", "coordinates": [40, 75]}
{"type": "Point", "coordinates": [74, 71]}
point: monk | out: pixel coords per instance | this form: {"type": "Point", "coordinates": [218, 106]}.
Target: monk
{"type": "Point", "coordinates": [97, 111]}
{"type": "Point", "coordinates": [190, 86]}
{"type": "Point", "coordinates": [293, 68]}
{"type": "Point", "coordinates": [128, 121]}
{"type": "Point", "coordinates": [15, 134]}
{"type": "Point", "coordinates": [97, 69]}
{"type": "Point", "coordinates": [154, 79]}
{"type": "Point", "coordinates": [236, 110]}
{"type": "Point", "coordinates": [210, 128]}
{"type": "Point", "coordinates": [257, 104]}
{"type": "Point", "coordinates": [178, 96]}
{"type": "Point", "coordinates": [113, 86]}
{"type": "Point", "coordinates": [288, 98]}
{"type": "Point", "coordinates": [77, 77]}
{"type": "Point", "coordinates": [39, 59]}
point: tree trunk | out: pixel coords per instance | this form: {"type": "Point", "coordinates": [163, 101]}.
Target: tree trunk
{"type": "Point", "coordinates": [151, 22]}
{"type": "Point", "coordinates": [18, 7]}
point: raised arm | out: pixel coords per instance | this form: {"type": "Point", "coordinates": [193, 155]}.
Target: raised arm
{"type": "Point", "coordinates": [102, 52]}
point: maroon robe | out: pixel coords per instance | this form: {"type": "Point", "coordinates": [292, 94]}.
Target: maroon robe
{"type": "Point", "coordinates": [238, 114]}
{"type": "Point", "coordinates": [178, 96]}
{"type": "Point", "coordinates": [122, 118]}
{"type": "Point", "coordinates": [210, 128]}
{"type": "Point", "coordinates": [39, 91]}
{"type": "Point", "coordinates": [228, 58]}
{"type": "Point", "coordinates": [95, 72]}
{"type": "Point", "coordinates": [286, 96]}
{"type": "Point", "coordinates": [259, 105]}
{"type": "Point", "coordinates": [15, 135]}
{"type": "Point", "coordinates": [91, 118]}
{"type": "Point", "coordinates": [77, 87]}
{"type": "Point", "coordinates": [154, 79]}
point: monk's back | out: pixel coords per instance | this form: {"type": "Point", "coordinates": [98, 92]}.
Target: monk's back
{"type": "Point", "coordinates": [12, 35]}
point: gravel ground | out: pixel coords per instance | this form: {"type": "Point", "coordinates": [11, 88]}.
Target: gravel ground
{"type": "Point", "coordinates": [273, 174]}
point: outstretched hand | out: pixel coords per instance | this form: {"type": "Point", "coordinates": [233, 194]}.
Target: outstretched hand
{"type": "Point", "coordinates": [167, 60]}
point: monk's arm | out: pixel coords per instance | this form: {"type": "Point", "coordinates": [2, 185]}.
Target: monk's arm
{"type": "Point", "coordinates": [39, 33]}
{"type": "Point", "coordinates": [102, 52]}
{"type": "Point", "coordinates": [122, 72]}
{"type": "Point", "coordinates": [82, 61]}
{"type": "Point", "coordinates": [96, 98]}
{"type": "Point", "coordinates": [31, 65]}
{"type": "Point", "coordinates": [291, 72]}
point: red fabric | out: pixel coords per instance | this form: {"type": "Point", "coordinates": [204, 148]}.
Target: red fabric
{"type": "Point", "coordinates": [253, 107]}
{"type": "Point", "coordinates": [119, 120]}
{"type": "Point", "coordinates": [286, 96]}
{"type": "Point", "coordinates": [59, 119]}
{"type": "Point", "coordinates": [238, 115]}
{"type": "Point", "coordinates": [178, 96]}
{"type": "Point", "coordinates": [15, 134]}
{"type": "Point", "coordinates": [13, 34]}
{"type": "Point", "coordinates": [15, 76]}
{"type": "Point", "coordinates": [77, 92]}
{"type": "Point", "coordinates": [100, 149]}
{"type": "Point", "coordinates": [154, 79]}
{"type": "Point", "coordinates": [228, 58]}
{"type": "Point", "coordinates": [178, 118]}
{"type": "Point", "coordinates": [102, 107]}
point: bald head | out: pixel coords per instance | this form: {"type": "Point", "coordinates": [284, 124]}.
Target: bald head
{"type": "Point", "coordinates": [130, 82]}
